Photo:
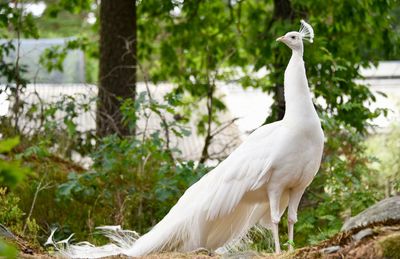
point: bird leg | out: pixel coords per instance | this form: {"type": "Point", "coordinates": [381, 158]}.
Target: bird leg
{"type": "Point", "coordinates": [274, 201]}
{"type": "Point", "coordinates": [294, 200]}
{"type": "Point", "coordinates": [275, 234]}
{"type": "Point", "coordinates": [290, 231]}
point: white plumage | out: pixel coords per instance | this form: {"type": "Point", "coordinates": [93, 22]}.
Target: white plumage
{"type": "Point", "coordinates": [255, 184]}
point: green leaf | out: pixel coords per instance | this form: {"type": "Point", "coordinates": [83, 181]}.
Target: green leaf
{"type": "Point", "coordinates": [7, 250]}
{"type": "Point", "coordinates": [8, 144]}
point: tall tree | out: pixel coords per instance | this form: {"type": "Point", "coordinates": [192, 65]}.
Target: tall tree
{"type": "Point", "coordinates": [117, 75]}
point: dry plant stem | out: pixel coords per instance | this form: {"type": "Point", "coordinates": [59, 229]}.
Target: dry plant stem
{"type": "Point", "coordinates": [223, 127]}
{"type": "Point", "coordinates": [160, 115]}
{"type": "Point", "coordinates": [210, 103]}
{"type": "Point", "coordinates": [39, 188]}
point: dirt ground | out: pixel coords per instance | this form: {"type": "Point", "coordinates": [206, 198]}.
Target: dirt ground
{"type": "Point", "coordinates": [382, 241]}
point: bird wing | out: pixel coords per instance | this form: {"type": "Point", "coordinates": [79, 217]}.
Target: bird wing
{"type": "Point", "coordinates": [246, 169]}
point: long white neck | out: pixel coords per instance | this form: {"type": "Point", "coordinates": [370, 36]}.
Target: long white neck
{"type": "Point", "coordinates": [297, 94]}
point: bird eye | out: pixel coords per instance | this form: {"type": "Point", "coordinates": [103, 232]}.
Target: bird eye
{"type": "Point", "coordinates": [293, 37]}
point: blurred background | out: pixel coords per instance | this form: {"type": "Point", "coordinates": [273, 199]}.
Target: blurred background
{"type": "Point", "coordinates": [109, 110]}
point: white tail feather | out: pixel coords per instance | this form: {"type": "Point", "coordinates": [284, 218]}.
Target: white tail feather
{"type": "Point", "coordinates": [186, 227]}
{"type": "Point", "coordinates": [121, 241]}
{"type": "Point", "coordinates": [170, 234]}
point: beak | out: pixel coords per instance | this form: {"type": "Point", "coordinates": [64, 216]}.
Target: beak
{"type": "Point", "coordinates": [280, 38]}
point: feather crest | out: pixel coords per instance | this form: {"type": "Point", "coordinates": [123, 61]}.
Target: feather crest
{"type": "Point", "coordinates": [306, 31]}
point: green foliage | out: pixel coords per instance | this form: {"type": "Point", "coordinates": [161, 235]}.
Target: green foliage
{"type": "Point", "coordinates": [13, 21]}
{"type": "Point", "coordinates": [390, 246]}
{"type": "Point", "coordinates": [8, 144]}
{"type": "Point", "coordinates": [345, 185]}
{"type": "Point", "coordinates": [10, 214]}
{"type": "Point", "coordinates": [134, 181]}
{"type": "Point", "coordinates": [193, 53]}
{"type": "Point", "coordinates": [59, 124]}
{"type": "Point", "coordinates": [137, 179]}
{"type": "Point", "coordinates": [386, 146]}
{"type": "Point", "coordinates": [53, 125]}
{"type": "Point", "coordinates": [132, 177]}
{"type": "Point", "coordinates": [31, 231]}
{"type": "Point", "coordinates": [199, 45]}
{"type": "Point", "coordinates": [54, 57]}
{"type": "Point", "coordinates": [11, 171]}
{"type": "Point", "coordinates": [68, 19]}
{"type": "Point", "coordinates": [7, 250]}
{"type": "Point", "coordinates": [49, 171]}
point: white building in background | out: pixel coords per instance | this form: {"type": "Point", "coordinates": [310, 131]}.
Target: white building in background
{"type": "Point", "coordinates": [249, 106]}
{"type": "Point", "coordinates": [385, 79]}
{"type": "Point", "coordinates": [30, 51]}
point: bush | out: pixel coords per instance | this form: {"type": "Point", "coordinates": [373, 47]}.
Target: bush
{"type": "Point", "coordinates": [10, 214]}
{"type": "Point", "coordinates": [134, 180]}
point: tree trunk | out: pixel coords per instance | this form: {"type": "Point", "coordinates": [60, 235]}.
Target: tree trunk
{"type": "Point", "coordinates": [117, 76]}
{"type": "Point", "coordinates": [282, 9]}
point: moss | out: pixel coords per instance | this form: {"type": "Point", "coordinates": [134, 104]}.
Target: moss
{"type": "Point", "coordinates": [391, 246]}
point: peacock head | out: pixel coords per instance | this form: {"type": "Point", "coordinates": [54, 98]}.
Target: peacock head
{"type": "Point", "coordinates": [294, 39]}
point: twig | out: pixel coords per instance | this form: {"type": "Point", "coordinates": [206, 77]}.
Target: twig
{"type": "Point", "coordinates": [38, 189]}
{"type": "Point", "coordinates": [222, 128]}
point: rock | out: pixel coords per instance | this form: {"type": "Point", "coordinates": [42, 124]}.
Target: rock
{"type": "Point", "coordinates": [387, 209]}
{"type": "Point", "coordinates": [27, 250]}
{"type": "Point", "coordinates": [5, 232]}
{"type": "Point", "coordinates": [363, 233]}
{"type": "Point", "coordinates": [330, 250]}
